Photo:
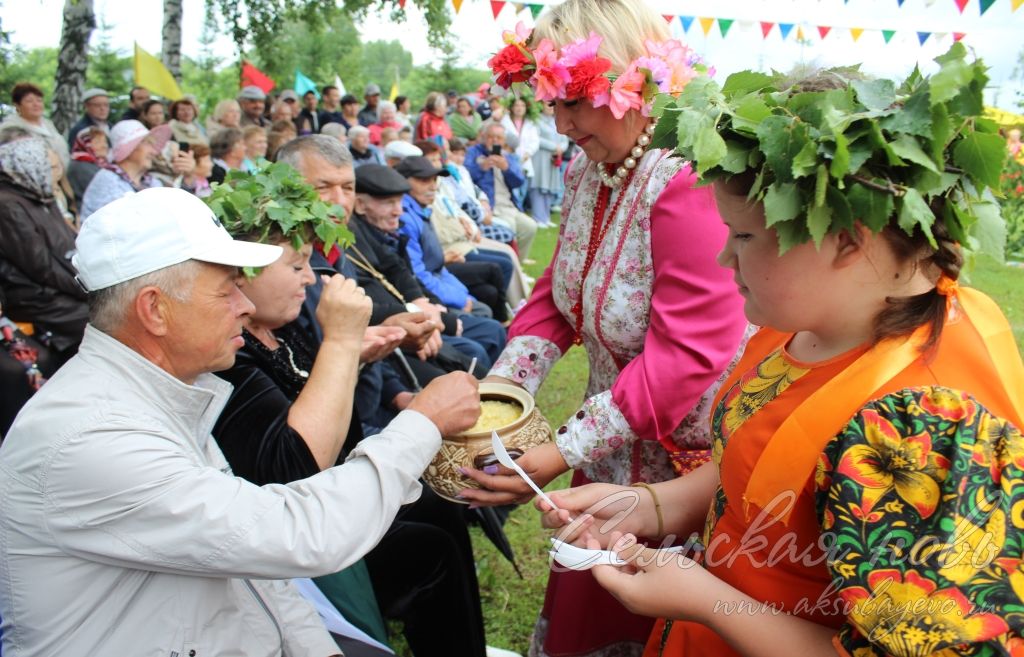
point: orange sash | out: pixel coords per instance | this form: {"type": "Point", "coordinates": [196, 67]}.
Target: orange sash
{"type": "Point", "coordinates": [789, 457]}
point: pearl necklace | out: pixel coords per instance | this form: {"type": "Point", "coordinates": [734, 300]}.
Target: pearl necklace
{"type": "Point", "coordinates": [642, 142]}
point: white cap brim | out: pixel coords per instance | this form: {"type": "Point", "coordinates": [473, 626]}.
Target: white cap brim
{"type": "Point", "coordinates": [240, 254]}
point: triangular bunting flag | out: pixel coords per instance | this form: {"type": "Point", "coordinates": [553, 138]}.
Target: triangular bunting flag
{"type": "Point", "coordinates": [251, 76]}
{"type": "Point", "coordinates": [957, 36]}
{"type": "Point", "coordinates": [705, 24]}
{"type": "Point", "coordinates": [887, 34]}
{"type": "Point", "coordinates": [401, 3]}
{"type": "Point", "coordinates": [668, 18]}
{"type": "Point", "coordinates": [823, 30]}
{"type": "Point", "coordinates": [457, 4]}
{"type": "Point", "coordinates": [496, 7]}
{"type": "Point", "coordinates": [687, 21]}
{"type": "Point", "coordinates": [800, 34]}
{"type": "Point", "coordinates": [985, 4]}
{"type": "Point", "coordinates": [304, 85]}
{"type": "Point", "coordinates": [152, 74]}
{"type": "Point", "coordinates": [519, 6]}
{"type": "Point", "coordinates": [899, 2]}
{"type": "Point", "coordinates": [923, 36]}
{"type": "Point", "coordinates": [962, 4]}
{"type": "Point", "coordinates": [766, 27]}
{"type": "Point", "coordinates": [723, 25]}
{"type": "Point", "coordinates": [1015, 4]}
{"type": "Point", "coordinates": [785, 29]}
{"type": "Point", "coordinates": [535, 10]}
{"type": "Point", "coordinates": [855, 32]}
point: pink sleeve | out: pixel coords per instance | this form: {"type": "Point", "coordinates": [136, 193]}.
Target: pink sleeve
{"type": "Point", "coordinates": [697, 319]}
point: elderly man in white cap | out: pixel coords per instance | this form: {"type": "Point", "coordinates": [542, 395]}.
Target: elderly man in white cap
{"type": "Point", "coordinates": [253, 102]}
{"type": "Point", "coordinates": [123, 531]}
{"type": "Point", "coordinates": [96, 108]}
{"type": "Point", "coordinates": [398, 150]}
{"type": "Point", "coordinates": [132, 149]}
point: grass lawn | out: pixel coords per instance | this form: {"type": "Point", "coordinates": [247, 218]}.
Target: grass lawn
{"type": "Point", "coordinates": [511, 604]}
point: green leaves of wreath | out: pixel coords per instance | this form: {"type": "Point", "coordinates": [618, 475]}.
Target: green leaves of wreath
{"type": "Point", "coordinates": [868, 151]}
{"type": "Point", "coordinates": [276, 199]}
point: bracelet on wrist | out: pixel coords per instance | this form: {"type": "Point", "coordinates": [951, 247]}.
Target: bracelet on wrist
{"type": "Point", "coordinates": [657, 506]}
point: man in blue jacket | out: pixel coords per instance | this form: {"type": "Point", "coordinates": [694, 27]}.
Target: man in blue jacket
{"type": "Point", "coordinates": [491, 155]}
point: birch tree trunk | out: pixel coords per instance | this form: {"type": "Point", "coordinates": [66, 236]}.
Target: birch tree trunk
{"type": "Point", "coordinates": [170, 51]}
{"type": "Point", "coordinates": [79, 21]}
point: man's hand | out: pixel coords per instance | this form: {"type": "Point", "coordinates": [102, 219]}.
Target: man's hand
{"type": "Point", "coordinates": [379, 342]}
{"type": "Point", "coordinates": [451, 256]}
{"type": "Point", "coordinates": [183, 163]}
{"type": "Point", "coordinates": [343, 311]}
{"type": "Point", "coordinates": [499, 162]}
{"type": "Point", "coordinates": [417, 326]}
{"type": "Point", "coordinates": [468, 308]}
{"type": "Point", "coordinates": [451, 402]}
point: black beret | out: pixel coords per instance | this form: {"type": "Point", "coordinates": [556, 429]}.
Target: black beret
{"type": "Point", "coordinates": [418, 166]}
{"type": "Point", "coordinates": [379, 180]}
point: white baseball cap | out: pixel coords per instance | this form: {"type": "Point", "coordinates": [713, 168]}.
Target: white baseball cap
{"type": "Point", "coordinates": [140, 233]}
{"type": "Point", "coordinates": [399, 149]}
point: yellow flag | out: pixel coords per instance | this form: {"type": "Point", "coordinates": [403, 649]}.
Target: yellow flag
{"type": "Point", "coordinates": [855, 32]}
{"type": "Point", "coordinates": [153, 75]}
{"type": "Point", "coordinates": [457, 4]}
{"type": "Point", "coordinates": [394, 90]}
{"type": "Point", "coordinates": [705, 24]}
{"type": "Point", "coordinates": [1016, 4]}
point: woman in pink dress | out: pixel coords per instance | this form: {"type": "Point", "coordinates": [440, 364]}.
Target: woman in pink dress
{"type": "Point", "coordinates": [633, 279]}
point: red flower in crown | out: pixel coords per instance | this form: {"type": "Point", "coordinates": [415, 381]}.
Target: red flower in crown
{"type": "Point", "coordinates": [509, 65]}
{"type": "Point", "coordinates": [588, 79]}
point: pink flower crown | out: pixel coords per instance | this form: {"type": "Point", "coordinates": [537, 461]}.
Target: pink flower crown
{"type": "Point", "coordinates": [576, 72]}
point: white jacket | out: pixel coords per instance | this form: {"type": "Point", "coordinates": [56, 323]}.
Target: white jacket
{"type": "Point", "coordinates": [123, 531]}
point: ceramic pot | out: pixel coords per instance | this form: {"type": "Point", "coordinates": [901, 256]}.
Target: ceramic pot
{"type": "Point", "coordinates": [473, 449]}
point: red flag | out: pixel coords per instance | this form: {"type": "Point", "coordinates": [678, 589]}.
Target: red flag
{"type": "Point", "coordinates": [962, 4]}
{"type": "Point", "coordinates": [401, 3]}
{"type": "Point", "coordinates": [496, 7]}
{"type": "Point", "coordinates": [766, 28]}
{"type": "Point", "coordinates": [823, 30]}
{"type": "Point", "coordinates": [958, 35]}
{"type": "Point", "coordinates": [255, 77]}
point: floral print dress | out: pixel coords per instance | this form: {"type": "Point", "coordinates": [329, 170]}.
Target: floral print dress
{"type": "Point", "coordinates": [661, 322]}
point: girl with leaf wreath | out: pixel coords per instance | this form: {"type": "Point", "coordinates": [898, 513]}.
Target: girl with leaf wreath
{"type": "Point", "coordinates": [633, 280]}
{"type": "Point", "coordinates": [867, 481]}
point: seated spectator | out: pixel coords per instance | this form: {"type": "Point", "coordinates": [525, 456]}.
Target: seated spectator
{"type": "Point", "coordinates": [425, 251]}
{"type": "Point", "coordinates": [281, 132]}
{"type": "Point", "coordinates": [388, 119]}
{"type": "Point", "coordinates": [291, 414]}
{"type": "Point", "coordinates": [253, 102]}
{"type": "Point", "coordinates": [432, 121]}
{"type": "Point", "coordinates": [472, 200]}
{"type": "Point", "coordinates": [203, 170]}
{"type": "Point", "coordinates": [144, 510]}
{"type": "Point", "coordinates": [402, 107]}
{"type": "Point", "coordinates": [96, 103]}
{"type": "Point", "coordinates": [483, 160]}
{"type": "Point", "coordinates": [379, 199]}
{"type": "Point", "coordinates": [153, 114]}
{"type": "Point", "coordinates": [184, 122]}
{"type": "Point", "coordinates": [133, 149]}
{"type": "Point", "coordinates": [398, 150]}
{"type": "Point", "coordinates": [35, 246]}
{"type": "Point", "coordinates": [25, 364]}
{"type": "Point", "coordinates": [464, 121]}
{"type": "Point", "coordinates": [370, 113]}
{"type": "Point", "coordinates": [227, 147]}
{"type": "Point", "coordinates": [388, 135]}
{"type": "Point", "coordinates": [363, 152]}
{"type": "Point", "coordinates": [309, 118]}
{"type": "Point", "coordinates": [405, 134]}
{"type": "Point", "coordinates": [29, 109]}
{"type": "Point", "coordinates": [226, 114]}
{"type": "Point", "coordinates": [88, 155]}
{"type": "Point", "coordinates": [255, 139]}
{"type": "Point", "coordinates": [137, 97]}
{"type": "Point", "coordinates": [349, 111]}
{"type": "Point", "coordinates": [282, 111]}
{"type": "Point", "coordinates": [336, 130]}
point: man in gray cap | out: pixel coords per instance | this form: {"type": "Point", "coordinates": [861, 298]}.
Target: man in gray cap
{"type": "Point", "coordinates": [96, 106]}
{"type": "Point", "coordinates": [123, 530]}
{"type": "Point", "coordinates": [369, 114]}
{"type": "Point", "coordinates": [253, 102]}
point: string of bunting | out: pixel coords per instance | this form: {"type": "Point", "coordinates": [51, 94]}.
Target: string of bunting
{"type": "Point", "coordinates": [725, 24]}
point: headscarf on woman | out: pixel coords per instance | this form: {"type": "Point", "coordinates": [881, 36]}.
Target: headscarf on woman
{"type": "Point", "coordinates": [82, 149]}
{"type": "Point", "coordinates": [26, 164]}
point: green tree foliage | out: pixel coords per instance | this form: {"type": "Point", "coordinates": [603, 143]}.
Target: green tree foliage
{"type": "Point", "coordinates": [382, 59]}
{"type": "Point", "coordinates": [110, 69]}
{"type": "Point", "coordinates": [321, 48]}
{"type": "Point", "coordinates": [207, 77]}
{"type": "Point", "coordinates": [38, 66]}
{"type": "Point", "coordinates": [448, 75]}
